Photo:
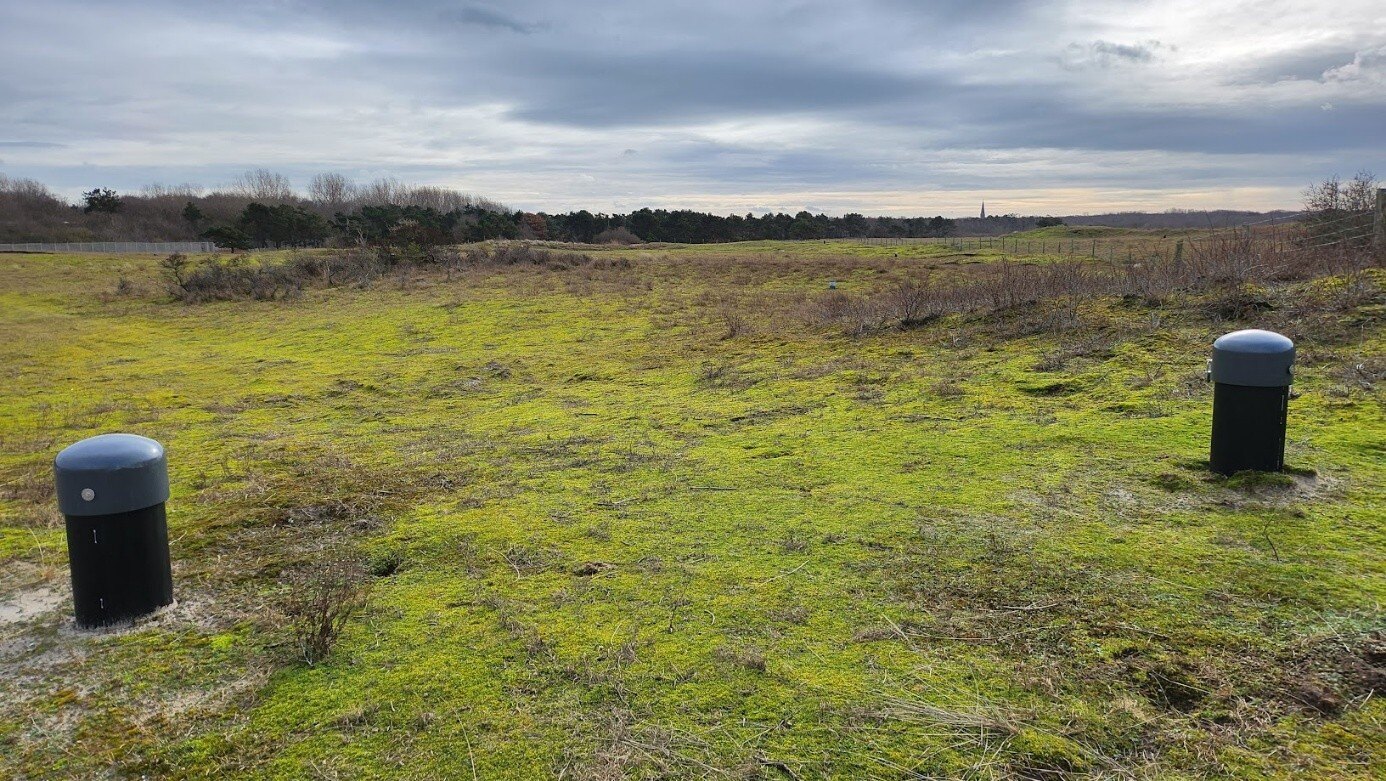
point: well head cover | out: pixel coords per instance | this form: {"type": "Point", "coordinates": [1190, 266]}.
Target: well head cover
{"type": "Point", "coordinates": [111, 473]}
{"type": "Point", "coordinates": [1253, 357]}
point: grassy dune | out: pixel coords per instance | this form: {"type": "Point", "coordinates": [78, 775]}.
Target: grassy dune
{"type": "Point", "coordinates": [654, 520]}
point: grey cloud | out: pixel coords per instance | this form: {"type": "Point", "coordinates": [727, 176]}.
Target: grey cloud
{"type": "Point", "coordinates": [1304, 65]}
{"type": "Point", "coordinates": [743, 162]}
{"type": "Point", "coordinates": [1313, 64]}
{"type": "Point", "coordinates": [488, 18]}
{"type": "Point", "coordinates": [598, 89]}
{"type": "Point", "coordinates": [1369, 65]}
{"type": "Point", "coordinates": [879, 95]}
{"type": "Point", "coordinates": [1106, 54]}
{"type": "Point", "coordinates": [1009, 117]}
{"type": "Point", "coordinates": [970, 14]}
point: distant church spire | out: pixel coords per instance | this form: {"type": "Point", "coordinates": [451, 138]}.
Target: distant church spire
{"type": "Point", "coordinates": [984, 210]}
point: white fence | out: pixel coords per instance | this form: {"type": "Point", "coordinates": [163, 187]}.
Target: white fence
{"type": "Point", "coordinates": [113, 246]}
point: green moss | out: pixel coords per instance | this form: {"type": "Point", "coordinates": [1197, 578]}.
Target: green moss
{"type": "Point", "coordinates": [607, 540]}
{"type": "Point", "coordinates": [1045, 752]}
{"type": "Point", "coordinates": [1251, 481]}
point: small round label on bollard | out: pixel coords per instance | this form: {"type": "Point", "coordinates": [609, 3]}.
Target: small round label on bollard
{"type": "Point", "coordinates": [122, 472]}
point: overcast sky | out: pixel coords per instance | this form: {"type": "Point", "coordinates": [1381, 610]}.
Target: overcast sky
{"type": "Point", "coordinates": [882, 107]}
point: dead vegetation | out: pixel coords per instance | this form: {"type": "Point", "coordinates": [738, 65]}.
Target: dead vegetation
{"type": "Point", "coordinates": [30, 486]}
{"type": "Point", "coordinates": [752, 659]}
{"type": "Point", "coordinates": [239, 278]}
{"type": "Point", "coordinates": [280, 517]}
{"type": "Point", "coordinates": [318, 602]}
{"type": "Point", "coordinates": [999, 742]}
{"type": "Point", "coordinates": [1226, 277]}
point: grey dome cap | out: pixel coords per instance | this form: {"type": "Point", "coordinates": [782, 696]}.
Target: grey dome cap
{"type": "Point", "coordinates": [1262, 359]}
{"type": "Point", "coordinates": [111, 473]}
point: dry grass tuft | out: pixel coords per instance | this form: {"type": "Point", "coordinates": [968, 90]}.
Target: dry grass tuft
{"type": "Point", "coordinates": [319, 601]}
{"type": "Point", "coordinates": [749, 658]}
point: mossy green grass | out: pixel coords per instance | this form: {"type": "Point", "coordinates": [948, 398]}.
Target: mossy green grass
{"type": "Point", "coordinates": [624, 543]}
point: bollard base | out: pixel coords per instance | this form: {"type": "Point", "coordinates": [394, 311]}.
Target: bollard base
{"type": "Point", "coordinates": [120, 566]}
{"type": "Point", "coordinates": [1248, 428]}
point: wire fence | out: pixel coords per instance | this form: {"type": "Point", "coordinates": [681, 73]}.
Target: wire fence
{"type": "Point", "coordinates": [1342, 230]}
{"type": "Point", "coordinates": [113, 246]}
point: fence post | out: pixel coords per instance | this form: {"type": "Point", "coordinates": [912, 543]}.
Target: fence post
{"type": "Point", "coordinates": [1380, 240]}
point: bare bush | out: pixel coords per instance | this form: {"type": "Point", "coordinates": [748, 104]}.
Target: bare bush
{"type": "Point", "coordinates": [175, 269]}
{"type": "Point", "coordinates": [354, 267]}
{"type": "Point", "coordinates": [1236, 302]}
{"type": "Point", "coordinates": [172, 191]}
{"type": "Point", "coordinates": [1339, 214]}
{"type": "Point", "coordinates": [237, 279]}
{"type": "Point", "coordinates": [215, 281]}
{"type": "Point", "coordinates": [1334, 195]}
{"type": "Point", "coordinates": [619, 235]}
{"type": "Point", "coordinates": [750, 658]}
{"type": "Point", "coordinates": [331, 190]}
{"type": "Point", "coordinates": [321, 599]}
{"type": "Point", "coordinates": [856, 315]}
{"type": "Point", "coordinates": [449, 259]}
{"type": "Point", "coordinates": [523, 254]}
{"type": "Point", "coordinates": [1226, 271]}
{"type": "Point", "coordinates": [264, 185]}
{"type": "Point", "coordinates": [734, 323]}
{"type": "Point", "coordinates": [1097, 346]}
{"type": "Point", "coordinates": [383, 192]}
{"type": "Point", "coordinates": [911, 305]}
{"type": "Point", "coordinates": [29, 211]}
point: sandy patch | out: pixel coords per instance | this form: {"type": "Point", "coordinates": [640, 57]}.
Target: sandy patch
{"type": "Point", "coordinates": [27, 604]}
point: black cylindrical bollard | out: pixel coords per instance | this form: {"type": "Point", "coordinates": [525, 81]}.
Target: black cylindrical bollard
{"type": "Point", "coordinates": [111, 491]}
{"type": "Point", "coordinates": [1251, 372]}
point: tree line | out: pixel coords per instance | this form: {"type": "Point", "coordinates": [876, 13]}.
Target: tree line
{"type": "Point", "coordinates": [262, 209]}
{"type": "Point", "coordinates": [685, 226]}
{"type": "Point", "coordinates": [263, 225]}
{"type": "Point", "coordinates": [259, 209]}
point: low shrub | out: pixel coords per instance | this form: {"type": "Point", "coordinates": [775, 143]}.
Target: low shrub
{"type": "Point", "coordinates": [521, 254]}
{"type": "Point", "coordinates": [621, 235]}
{"type": "Point", "coordinates": [1226, 273]}
{"type": "Point", "coordinates": [319, 602]}
{"type": "Point", "coordinates": [234, 281]}
{"type": "Point", "coordinates": [237, 279]}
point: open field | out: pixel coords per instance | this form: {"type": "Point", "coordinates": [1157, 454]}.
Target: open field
{"type": "Point", "coordinates": [654, 515]}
